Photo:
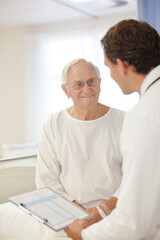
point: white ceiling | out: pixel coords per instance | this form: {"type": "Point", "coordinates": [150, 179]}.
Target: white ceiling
{"type": "Point", "coordinates": [32, 12]}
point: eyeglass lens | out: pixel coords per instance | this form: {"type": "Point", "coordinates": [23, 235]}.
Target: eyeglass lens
{"type": "Point", "coordinates": [90, 83]}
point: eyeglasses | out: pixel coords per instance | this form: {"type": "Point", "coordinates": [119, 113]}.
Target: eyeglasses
{"type": "Point", "coordinates": [79, 85]}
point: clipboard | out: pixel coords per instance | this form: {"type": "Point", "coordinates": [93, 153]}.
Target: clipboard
{"type": "Point", "coordinates": [49, 208]}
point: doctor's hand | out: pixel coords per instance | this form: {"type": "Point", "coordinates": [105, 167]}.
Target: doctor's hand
{"type": "Point", "coordinates": [75, 229]}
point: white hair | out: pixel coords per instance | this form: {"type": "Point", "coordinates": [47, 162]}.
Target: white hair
{"type": "Point", "coordinates": [70, 64]}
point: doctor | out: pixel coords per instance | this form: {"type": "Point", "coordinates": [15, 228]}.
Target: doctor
{"type": "Point", "coordinates": [132, 52]}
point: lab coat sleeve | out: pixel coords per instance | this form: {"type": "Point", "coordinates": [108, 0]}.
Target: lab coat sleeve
{"type": "Point", "coordinates": [116, 194]}
{"type": "Point", "coordinates": [48, 168]}
{"type": "Point", "coordinates": [138, 208]}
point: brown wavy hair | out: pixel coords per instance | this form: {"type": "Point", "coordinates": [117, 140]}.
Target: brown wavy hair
{"type": "Point", "coordinates": [135, 42]}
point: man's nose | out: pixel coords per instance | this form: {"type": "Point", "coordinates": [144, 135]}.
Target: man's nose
{"type": "Point", "coordinates": [86, 86]}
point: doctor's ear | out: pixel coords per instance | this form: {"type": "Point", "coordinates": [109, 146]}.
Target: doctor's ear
{"type": "Point", "coordinates": [66, 90]}
{"type": "Point", "coordinates": [123, 66]}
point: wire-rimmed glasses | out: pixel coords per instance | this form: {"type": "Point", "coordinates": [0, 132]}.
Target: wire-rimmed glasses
{"type": "Point", "coordinates": [93, 82]}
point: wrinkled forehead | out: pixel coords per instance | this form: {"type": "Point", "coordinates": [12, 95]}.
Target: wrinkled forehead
{"type": "Point", "coordinates": [80, 71]}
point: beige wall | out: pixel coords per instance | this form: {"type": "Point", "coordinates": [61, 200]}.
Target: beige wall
{"type": "Point", "coordinates": [11, 86]}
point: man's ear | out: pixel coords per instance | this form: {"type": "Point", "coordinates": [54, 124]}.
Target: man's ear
{"type": "Point", "coordinates": [122, 65]}
{"type": "Point", "coordinates": [65, 89]}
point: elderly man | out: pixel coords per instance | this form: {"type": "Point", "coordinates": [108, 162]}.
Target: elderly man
{"type": "Point", "coordinates": [79, 150]}
{"type": "Point", "coordinates": [132, 52]}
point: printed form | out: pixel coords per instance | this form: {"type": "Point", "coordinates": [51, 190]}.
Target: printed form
{"type": "Point", "coordinates": [50, 208]}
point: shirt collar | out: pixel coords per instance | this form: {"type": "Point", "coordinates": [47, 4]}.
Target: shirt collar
{"type": "Point", "coordinates": [149, 79]}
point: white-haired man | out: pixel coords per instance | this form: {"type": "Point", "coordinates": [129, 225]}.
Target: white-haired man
{"type": "Point", "coordinates": [79, 149]}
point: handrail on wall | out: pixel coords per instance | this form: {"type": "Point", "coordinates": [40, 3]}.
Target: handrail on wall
{"type": "Point", "coordinates": [16, 150]}
{"type": "Point", "coordinates": [18, 157]}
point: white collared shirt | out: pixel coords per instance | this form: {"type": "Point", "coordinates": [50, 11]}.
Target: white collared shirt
{"type": "Point", "coordinates": [137, 214]}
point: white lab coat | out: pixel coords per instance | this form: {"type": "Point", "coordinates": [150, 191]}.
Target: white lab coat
{"type": "Point", "coordinates": [137, 215]}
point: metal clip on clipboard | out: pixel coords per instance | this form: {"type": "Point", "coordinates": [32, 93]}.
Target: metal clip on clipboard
{"type": "Point", "coordinates": [23, 207]}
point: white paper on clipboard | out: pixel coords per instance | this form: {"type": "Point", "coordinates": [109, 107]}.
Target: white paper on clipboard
{"type": "Point", "coordinates": [50, 208]}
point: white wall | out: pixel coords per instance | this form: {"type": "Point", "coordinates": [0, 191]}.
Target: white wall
{"type": "Point", "coordinates": [23, 99]}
